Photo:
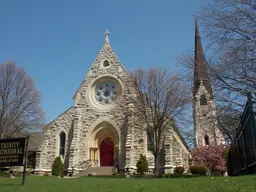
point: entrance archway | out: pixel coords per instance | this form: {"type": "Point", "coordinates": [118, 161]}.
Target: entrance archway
{"type": "Point", "coordinates": [107, 152]}
{"type": "Point", "coordinates": [103, 145]}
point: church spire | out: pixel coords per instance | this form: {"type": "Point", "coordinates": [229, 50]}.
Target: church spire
{"type": "Point", "coordinates": [198, 44]}
{"type": "Point", "coordinates": [200, 65]}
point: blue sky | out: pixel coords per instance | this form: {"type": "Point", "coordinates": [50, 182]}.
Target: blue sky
{"type": "Point", "coordinates": [56, 41]}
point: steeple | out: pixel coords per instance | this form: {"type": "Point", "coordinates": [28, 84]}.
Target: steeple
{"type": "Point", "coordinates": [200, 65]}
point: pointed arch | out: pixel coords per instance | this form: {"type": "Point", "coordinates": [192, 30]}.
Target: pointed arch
{"type": "Point", "coordinates": [62, 139]}
{"type": "Point", "coordinates": [101, 126]}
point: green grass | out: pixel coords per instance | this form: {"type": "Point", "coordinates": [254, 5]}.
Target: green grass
{"type": "Point", "coordinates": [111, 184]}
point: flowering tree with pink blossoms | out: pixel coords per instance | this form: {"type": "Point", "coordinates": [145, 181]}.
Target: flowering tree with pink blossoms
{"type": "Point", "coordinates": [212, 157]}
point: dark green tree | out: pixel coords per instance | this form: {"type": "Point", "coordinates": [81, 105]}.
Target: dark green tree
{"type": "Point", "coordinates": [57, 167]}
{"type": "Point", "coordinates": [142, 164]}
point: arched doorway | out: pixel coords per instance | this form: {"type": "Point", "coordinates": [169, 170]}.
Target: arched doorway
{"type": "Point", "coordinates": [103, 143]}
{"type": "Point", "coordinates": [107, 152]}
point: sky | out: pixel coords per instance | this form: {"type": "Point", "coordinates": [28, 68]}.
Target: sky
{"type": "Point", "coordinates": [57, 41]}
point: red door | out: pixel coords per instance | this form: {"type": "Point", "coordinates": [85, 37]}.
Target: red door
{"type": "Point", "coordinates": [107, 152]}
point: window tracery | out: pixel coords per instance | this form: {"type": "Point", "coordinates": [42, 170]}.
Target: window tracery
{"type": "Point", "coordinates": [106, 93]}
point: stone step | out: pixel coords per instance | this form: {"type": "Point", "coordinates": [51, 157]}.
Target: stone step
{"type": "Point", "coordinates": [96, 171]}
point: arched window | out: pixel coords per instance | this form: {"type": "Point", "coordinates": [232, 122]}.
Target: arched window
{"type": "Point", "coordinates": [106, 63]}
{"type": "Point", "coordinates": [62, 143]}
{"type": "Point", "coordinates": [203, 100]}
{"type": "Point", "coordinates": [206, 140]}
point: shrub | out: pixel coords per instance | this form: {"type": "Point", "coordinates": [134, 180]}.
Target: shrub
{"type": "Point", "coordinates": [198, 169]}
{"type": "Point", "coordinates": [57, 167]}
{"type": "Point", "coordinates": [179, 170]}
{"type": "Point", "coordinates": [142, 164]}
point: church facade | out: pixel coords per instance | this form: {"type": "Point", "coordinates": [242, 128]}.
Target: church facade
{"type": "Point", "coordinates": [96, 132]}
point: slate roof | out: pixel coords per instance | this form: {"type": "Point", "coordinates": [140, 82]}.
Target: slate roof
{"type": "Point", "coordinates": [200, 66]}
{"type": "Point", "coordinates": [180, 136]}
{"type": "Point", "coordinates": [35, 140]}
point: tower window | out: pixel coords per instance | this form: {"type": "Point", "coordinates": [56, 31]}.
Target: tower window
{"type": "Point", "coordinates": [206, 140]}
{"type": "Point", "coordinates": [203, 100]}
{"type": "Point", "coordinates": [106, 63]}
{"type": "Point", "coordinates": [62, 143]}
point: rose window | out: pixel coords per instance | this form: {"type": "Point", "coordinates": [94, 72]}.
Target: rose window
{"type": "Point", "coordinates": [106, 93]}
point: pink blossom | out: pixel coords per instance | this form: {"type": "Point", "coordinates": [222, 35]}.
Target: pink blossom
{"type": "Point", "coordinates": [212, 157]}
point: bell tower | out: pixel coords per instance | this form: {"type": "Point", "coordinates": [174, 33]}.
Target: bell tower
{"type": "Point", "coordinates": [204, 108]}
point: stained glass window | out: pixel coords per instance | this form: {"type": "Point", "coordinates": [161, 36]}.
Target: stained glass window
{"type": "Point", "coordinates": [62, 143]}
{"type": "Point", "coordinates": [106, 93]}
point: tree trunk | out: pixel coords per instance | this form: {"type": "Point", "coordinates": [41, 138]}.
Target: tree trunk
{"type": "Point", "coordinates": [157, 165]}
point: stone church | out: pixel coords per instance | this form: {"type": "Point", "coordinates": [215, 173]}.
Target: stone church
{"type": "Point", "coordinates": [94, 133]}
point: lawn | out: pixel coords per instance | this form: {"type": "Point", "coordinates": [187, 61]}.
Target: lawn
{"type": "Point", "coordinates": [100, 184]}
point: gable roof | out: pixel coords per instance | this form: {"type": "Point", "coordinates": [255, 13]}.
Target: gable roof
{"type": "Point", "coordinates": [175, 128]}
{"type": "Point", "coordinates": [35, 140]}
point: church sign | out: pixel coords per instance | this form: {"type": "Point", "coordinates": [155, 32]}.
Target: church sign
{"type": "Point", "coordinates": [12, 151]}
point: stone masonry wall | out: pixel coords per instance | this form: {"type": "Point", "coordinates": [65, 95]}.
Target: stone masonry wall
{"type": "Point", "coordinates": [205, 119]}
{"type": "Point", "coordinates": [49, 147]}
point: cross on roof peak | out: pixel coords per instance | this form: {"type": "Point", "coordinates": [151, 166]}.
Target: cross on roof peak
{"type": "Point", "coordinates": [106, 36]}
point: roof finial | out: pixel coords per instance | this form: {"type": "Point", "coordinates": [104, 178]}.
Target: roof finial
{"type": "Point", "coordinates": [106, 36]}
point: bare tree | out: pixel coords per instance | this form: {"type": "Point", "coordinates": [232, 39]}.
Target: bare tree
{"type": "Point", "coordinates": [158, 99]}
{"type": "Point", "coordinates": [230, 26]}
{"type": "Point", "coordinates": [20, 109]}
